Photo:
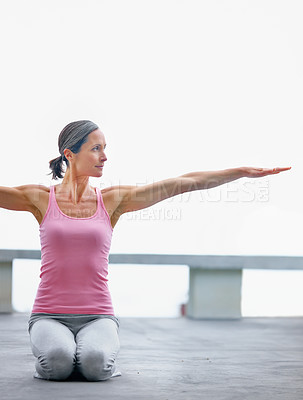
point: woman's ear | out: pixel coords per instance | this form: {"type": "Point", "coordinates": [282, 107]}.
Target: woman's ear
{"type": "Point", "coordinates": [68, 154]}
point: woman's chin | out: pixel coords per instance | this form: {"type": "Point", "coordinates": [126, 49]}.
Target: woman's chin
{"type": "Point", "coordinates": [98, 174]}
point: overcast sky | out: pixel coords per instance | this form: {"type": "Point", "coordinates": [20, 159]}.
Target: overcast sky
{"type": "Point", "coordinates": [175, 86]}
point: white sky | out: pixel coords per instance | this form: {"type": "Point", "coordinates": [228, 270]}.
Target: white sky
{"type": "Point", "coordinates": [175, 86]}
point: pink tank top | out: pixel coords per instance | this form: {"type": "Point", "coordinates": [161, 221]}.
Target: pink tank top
{"type": "Point", "coordinates": [74, 262]}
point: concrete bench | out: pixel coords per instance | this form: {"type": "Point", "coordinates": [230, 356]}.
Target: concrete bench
{"type": "Point", "coordinates": [215, 281]}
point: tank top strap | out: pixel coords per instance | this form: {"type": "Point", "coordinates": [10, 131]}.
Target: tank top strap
{"type": "Point", "coordinates": [52, 194]}
{"type": "Point", "coordinates": [52, 198]}
{"type": "Point", "coordinates": [99, 200]}
{"type": "Point", "coordinates": [102, 209]}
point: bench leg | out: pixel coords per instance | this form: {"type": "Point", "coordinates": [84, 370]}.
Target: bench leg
{"type": "Point", "coordinates": [214, 293]}
{"type": "Point", "coordinates": [6, 269]}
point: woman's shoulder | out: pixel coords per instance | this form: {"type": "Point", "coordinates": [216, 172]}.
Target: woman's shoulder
{"type": "Point", "coordinates": [23, 197]}
{"type": "Point", "coordinates": [38, 196]}
{"type": "Point", "coordinates": [35, 193]}
{"type": "Point", "coordinates": [34, 188]}
{"type": "Point", "coordinates": [113, 198]}
{"type": "Point", "coordinates": [31, 191]}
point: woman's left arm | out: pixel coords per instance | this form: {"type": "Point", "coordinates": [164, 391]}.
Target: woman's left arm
{"type": "Point", "coordinates": [133, 198]}
{"type": "Point", "coordinates": [210, 179]}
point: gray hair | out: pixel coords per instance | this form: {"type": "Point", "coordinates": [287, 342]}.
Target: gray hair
{"type": "Point", "coordinates": [71, 137]}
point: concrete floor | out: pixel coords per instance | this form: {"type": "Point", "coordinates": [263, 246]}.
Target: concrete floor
{"type": "Point", "coordinates": [171, 359]}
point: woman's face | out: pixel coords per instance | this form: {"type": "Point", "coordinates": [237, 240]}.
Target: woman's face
{"type": "Point", "coordinates": [91, 157]}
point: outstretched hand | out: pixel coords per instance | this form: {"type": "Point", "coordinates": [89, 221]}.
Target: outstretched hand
{"type": "Point", "coordinates": [251, 172]}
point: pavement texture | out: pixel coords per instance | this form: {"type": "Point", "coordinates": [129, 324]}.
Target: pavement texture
{"type": "Point", "coordinates": [172, 358]}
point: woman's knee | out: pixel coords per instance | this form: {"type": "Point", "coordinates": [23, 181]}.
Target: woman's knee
{"type": "Point", "coordinates": [56, 364]}
{"type": "Point", "coordinates": [96, 365]}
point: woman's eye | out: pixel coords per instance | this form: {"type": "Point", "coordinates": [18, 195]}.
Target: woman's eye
{"type": "Point", "coordinates": [97, 147]}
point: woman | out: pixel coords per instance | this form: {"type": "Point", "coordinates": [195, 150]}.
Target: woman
{"type": "Point", "coordinates": [72, 326]}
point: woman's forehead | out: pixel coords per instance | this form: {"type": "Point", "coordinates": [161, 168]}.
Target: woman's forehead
{"type": "Point", "coordinates": [96, 135]}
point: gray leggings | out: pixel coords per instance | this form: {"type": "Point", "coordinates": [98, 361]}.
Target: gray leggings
{"type": "Point", "coordinates": [62, 345]}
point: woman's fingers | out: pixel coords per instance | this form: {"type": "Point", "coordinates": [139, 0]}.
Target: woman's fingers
{"type": "Point", "coordinates": [259, 172]}
{"type": "Point", "coordinates": [277, 170]}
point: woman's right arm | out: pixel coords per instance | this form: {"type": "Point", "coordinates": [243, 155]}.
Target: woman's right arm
{"type": "Point", "coordinates": [19, 198]}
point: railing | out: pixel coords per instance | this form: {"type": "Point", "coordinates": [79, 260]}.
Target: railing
{"type": "Point", "coordinates": [215, 281]}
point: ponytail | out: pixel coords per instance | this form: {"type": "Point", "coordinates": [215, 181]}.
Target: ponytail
{"type": "Point", "coordinates": [56, 166]}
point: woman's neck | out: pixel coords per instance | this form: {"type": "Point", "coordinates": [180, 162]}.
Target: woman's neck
{"type": "Point", "coordinates": [75, 187]}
